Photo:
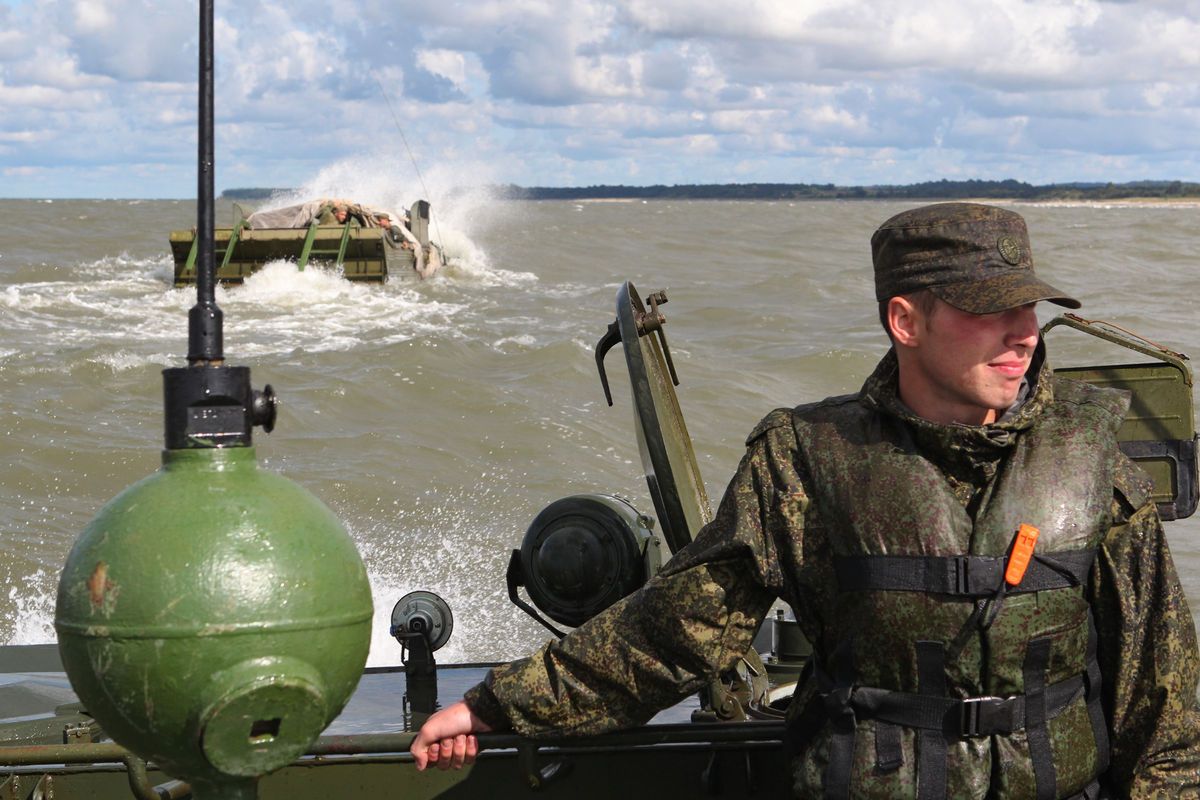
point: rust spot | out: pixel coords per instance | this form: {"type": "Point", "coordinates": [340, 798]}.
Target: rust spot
{"type": "Point", "coordinates": [98, 585]}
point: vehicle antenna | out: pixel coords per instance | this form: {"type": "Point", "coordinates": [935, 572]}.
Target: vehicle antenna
{"type": "Point", "coordinates": [403, 138]}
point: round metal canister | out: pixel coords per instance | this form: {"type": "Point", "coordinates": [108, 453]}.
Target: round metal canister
{"type": "Point", "coordinates": [214, 617]}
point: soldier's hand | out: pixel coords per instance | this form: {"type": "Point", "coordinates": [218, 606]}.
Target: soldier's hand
{"type": "Point", "coordinates": [446, 739]}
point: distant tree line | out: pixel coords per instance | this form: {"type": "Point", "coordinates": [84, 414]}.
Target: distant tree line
{"type": "Point", "coordinates": [929, 190]}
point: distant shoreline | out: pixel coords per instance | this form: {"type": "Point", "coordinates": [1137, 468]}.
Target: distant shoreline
{"type": "Point", "coordinates": [989, 191]}
{"type": "Point", "coordinates": [1127, 202]}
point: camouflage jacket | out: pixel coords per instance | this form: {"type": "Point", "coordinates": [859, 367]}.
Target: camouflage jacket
{"type": "Point", "coordinates": [700, 613]}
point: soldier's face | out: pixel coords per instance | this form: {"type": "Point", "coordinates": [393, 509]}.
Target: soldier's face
{"type": "Point", "coordinates": [966, 368]}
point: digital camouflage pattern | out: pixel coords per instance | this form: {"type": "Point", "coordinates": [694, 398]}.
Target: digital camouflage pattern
{"type": "Point", "coordinates": [771, 538]}
{"type": "Point", "coordinates": [975, 257]}
{"type": "Point", "coordinates": [870, 493]}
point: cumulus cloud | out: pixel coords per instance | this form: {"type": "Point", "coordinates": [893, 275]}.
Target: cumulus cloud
{"type": "Point", "coordinates": [587, 91]}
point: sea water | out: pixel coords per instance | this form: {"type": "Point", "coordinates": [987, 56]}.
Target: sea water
{"type": "Point", "coordinates": [437, 418]}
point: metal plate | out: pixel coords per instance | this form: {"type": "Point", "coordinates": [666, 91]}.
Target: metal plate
{"type": "Point", "coordinates": [1159, 432]}
{"type": "Point", "coordinates": [663, 441]}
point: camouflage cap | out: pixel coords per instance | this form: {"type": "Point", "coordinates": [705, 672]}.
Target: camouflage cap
{"type": "Point", "coordinates": [974, 257]}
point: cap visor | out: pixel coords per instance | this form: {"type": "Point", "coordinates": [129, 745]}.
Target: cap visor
{"type": "Point", "coordinates": [1001, 293]}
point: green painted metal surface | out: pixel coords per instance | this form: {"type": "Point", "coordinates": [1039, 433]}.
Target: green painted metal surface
{"type": "Point", "coordinates": [363, 253]}
{"type": "Point", "coordinates": [305, 251]}
{"type": "Point", "coordinates": [1159, 432]}
{"type": "Point", "coordinates": [231, 246]}
{"type": "Point", "coordinates": [214, 617]}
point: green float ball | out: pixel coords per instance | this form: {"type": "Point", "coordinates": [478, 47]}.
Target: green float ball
{"type": "Point", "coordinates": [214, 617]}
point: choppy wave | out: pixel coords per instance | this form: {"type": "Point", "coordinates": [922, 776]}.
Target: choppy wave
{"type": "Point", "coordinates": [122, 312]}
{"type": "Point", "coordinates": [438, 452]}
{"type": "Point", "coordinates": [1111, 204]}
{"type": "Point", "coordinates": [32, 618]}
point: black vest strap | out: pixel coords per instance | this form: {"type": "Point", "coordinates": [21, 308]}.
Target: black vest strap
{"type": "Point", "coordinates": [931, 744]}
{"type": "Point", "coordinates": [960, 719]}
{"type": "Point", "coordinates": [963, 576]}
{"type": "Point", "coordinates": [1095, 710]}
{"type": "Point", "coordinates": [1037, 660]}
{"type": "Point", "coordinates": [889, 747]}
{"type": "Point", "coordinates": [939, 719]}
{"type": "Point", "coordinates": [842, 721]}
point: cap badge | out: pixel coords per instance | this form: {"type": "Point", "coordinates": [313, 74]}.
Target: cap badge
{"type": "Point", "coordinates": [1010, 250]}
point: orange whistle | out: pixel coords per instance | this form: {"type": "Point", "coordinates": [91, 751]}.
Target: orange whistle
{"type": "Point", "coordinates": [1022, 552]}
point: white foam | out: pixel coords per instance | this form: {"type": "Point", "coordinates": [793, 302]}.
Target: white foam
{"type": "Point", "coordinates": [384, 178]}
{"type": "Point", "coordinates": [33, 620]}
{"type": "Point", "coordinates": [117, 305]}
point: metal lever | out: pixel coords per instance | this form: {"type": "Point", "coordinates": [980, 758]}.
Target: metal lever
{"type": "Point", "coordinates": [606, 343]}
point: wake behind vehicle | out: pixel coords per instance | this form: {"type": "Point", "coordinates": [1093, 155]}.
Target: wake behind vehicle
{"type": "Point", "coordinates": [364, 243]}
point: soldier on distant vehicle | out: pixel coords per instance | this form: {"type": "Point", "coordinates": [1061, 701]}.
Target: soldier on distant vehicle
{"type": "Point", "coordinates": [334, 214]}
{"type": "Point", "coordinates": [983, 575]}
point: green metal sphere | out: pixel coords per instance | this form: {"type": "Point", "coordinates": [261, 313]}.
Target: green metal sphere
{"type": "Point", "coordinates": [214, 617]}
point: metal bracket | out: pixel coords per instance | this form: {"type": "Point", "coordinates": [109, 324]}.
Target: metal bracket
{"type": "Point", "coordinates": [420, 676]}
{"type": "Point", "coordinates": [80, 732]}
{"type": "Point", "coordinates": [302, 262]}
{"type": "Point", "coordinates": [538, 778]}
{"type": "Point", "coordinates": [514, 576]}
{"type": "Point", "coordinates": [234, 237]}
{"type": "Point", "coordinates": [646, 323]}
{"type": "Point", "coordinates": [652, 322]}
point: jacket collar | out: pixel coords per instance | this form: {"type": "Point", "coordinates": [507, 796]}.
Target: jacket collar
{"type": "Point", "coordinates": [881, 393]}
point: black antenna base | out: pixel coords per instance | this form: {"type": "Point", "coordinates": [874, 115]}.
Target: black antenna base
{"type": "Point", "coordinates": [205, 334]}
{"type": "Point", "coordinates": [214, 407]}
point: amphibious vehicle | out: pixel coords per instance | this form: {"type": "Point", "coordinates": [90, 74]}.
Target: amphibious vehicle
{"type": "Point", "coordinates": [368, 244]}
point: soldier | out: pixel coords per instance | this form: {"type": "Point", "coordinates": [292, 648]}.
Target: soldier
{"type": "Point", "coordinates": [335, 214]}
{"type": "Point", "coordinates": [891, 521]}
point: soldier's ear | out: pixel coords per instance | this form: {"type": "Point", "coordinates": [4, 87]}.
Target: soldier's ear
{"type": "Point", "coordinates": [905, 321]}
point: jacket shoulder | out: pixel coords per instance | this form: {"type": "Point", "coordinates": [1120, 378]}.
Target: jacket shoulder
{"type": "Point", "coordinates": [1080, 393]}
{"type": "Point", "coordinates": [1132, 486]}
{"type": "Point", "coordinates": [776, 419]}
{"type": "Point", "coordinates": [803, 414]}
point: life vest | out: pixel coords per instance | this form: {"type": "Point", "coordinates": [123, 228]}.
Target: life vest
{"type": "Point", "coordinates": [933, 677]}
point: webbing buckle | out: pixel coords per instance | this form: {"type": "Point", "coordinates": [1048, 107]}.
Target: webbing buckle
{"type": "Point", "coordinates": [961, 581]}
{"type": "Point", "coordinates": [984, 716]}
{"type": "Point", "coordinates": [976, 576]}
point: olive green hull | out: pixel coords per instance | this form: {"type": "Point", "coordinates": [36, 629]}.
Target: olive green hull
{"type": "Point", "coordinates": [364, 254]}
{"type": "Point", "coordinates": [736, 770]}
{"type": "Point", "coordinates": [364, 752]}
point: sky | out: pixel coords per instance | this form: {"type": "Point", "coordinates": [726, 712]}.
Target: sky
{"type": "Point", "coordinates": [98, 97]}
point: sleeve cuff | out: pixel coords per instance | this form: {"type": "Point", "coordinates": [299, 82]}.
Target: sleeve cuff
{"type": "Point", "coordinates": [483, 704]}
